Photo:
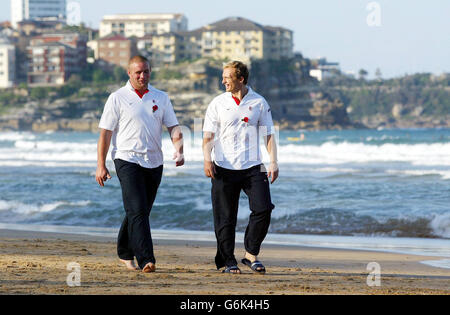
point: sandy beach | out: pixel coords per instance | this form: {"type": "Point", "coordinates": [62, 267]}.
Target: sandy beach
{"type": "Point", "coordinates": [36, 263]}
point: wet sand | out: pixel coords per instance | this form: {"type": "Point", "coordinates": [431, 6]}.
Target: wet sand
{"type": "Point", "coordinates": [36, 263]}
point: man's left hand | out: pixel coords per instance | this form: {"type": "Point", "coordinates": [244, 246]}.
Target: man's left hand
{"type": "Point", "coordinates": [273, 172]}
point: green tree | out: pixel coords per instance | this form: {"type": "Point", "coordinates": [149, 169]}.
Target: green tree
{"type": "Point", "coordinates": [100, 76]}
{"type": "Point", "coordinates": [38, 93]}
{"type": "Point", "coordinates": [120, 74]}
{"type": "Point", "coordinates": [362, 74]}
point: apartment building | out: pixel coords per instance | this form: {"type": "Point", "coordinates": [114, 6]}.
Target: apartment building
{"type": "Point", "coordinates": [236, 38]}
{"type": "Point", "coordinates": [230, 39]}
{"type": "Point", "coordinates": [7, 63]}
{"type": "Point", "coordinates": [139, 25]}
{"type": "Point", "coordinates": [174, 47]}
{"type": "Point", "coordinates": [36, 9]}
{"type": "Point", "coordinates": [33, 27]}
{"type": "Point", "coordinates": [116, 50]}
{"type": "Point", "coordinates": [53, 58]}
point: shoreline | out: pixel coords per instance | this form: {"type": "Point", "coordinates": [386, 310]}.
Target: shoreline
{"type": "Point", "coordinates": [36, 263]}
{"type": "Point", "coordinates": [434, 247]}
{"type": "Point", "coordinates": [92, 127]}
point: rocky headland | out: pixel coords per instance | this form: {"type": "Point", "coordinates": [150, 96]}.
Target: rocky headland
{"type": "Point", "coordinates": [297, 100]}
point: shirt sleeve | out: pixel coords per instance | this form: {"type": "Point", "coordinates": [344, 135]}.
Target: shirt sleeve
{"type": "Point", "coordinates": [169, 118]}
{"type": "Point", "coordinates": [265, 120]}
{"type": "Point", "coordinates": [111, 115]}
{"type": "Point", "coordinates": [211, 119]}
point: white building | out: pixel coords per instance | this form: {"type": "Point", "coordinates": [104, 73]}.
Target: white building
{"type": "Point", "coordinates": [7, 63]}
{"type": "Point", "coordinates": [140, 25]}
{"type": "Point", "coordinates": [35, 9]}
{"type": "Point", "coordinates": [323, 69]}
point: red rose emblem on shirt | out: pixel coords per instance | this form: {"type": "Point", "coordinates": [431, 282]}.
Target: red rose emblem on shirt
{"type": "Point", "coordinates": [155, 108]}
{"type": "Point", "coordinates": [245, 119]}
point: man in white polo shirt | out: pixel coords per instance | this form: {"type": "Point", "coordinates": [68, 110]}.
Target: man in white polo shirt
{"type": "Point", "coordinates": [232, 159]}
{"type": "Point", "coordinates": [133, 118]}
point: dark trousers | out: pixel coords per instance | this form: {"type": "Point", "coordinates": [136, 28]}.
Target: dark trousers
{"type": "Point", "coordinates": [225, 193]}
{"type": "Point", "coordinates": [139, 187]}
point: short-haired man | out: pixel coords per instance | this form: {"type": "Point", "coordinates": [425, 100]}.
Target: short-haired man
{"type": "Point", "coordinates": [232, 159]}
{"type": "Point", "coordinates": [133, 118]}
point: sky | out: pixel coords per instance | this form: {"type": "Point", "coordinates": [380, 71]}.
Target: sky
{"type": "Point", "coordinates": [397, 36]}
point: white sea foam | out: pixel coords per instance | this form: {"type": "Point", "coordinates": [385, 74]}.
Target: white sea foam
{"type": "Point", "coordinates": [445, 174]}
{"type": "Point", "coordinates": [442, 263]}
{"type": "Point", "coordinates": [16, 136]}
{"type": "Point", "coordinates": [441, 225]}
{"type": "Point", "coordinates": [22, 208]}
{"type": "Point", "coordinates": [345, 152]}
{"type": "Point", "coordinates": [55, 146]}
{"type": "Point", "coordinates": [329, 153]}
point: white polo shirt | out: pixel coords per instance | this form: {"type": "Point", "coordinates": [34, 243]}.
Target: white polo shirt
{"type": "Point", "coordinates": [237, 143]}
{"type": "Point", "coordinates": [137, 124]}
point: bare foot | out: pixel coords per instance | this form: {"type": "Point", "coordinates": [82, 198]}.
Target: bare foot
{"type": "Point", "coordinates": [129, 264]}
{"type": "Point", "coordinates": [252, 259]}
{"type": "Point", "coordinates": [150, 267]}
{"type": "Point", "coordinates": [236, 272]}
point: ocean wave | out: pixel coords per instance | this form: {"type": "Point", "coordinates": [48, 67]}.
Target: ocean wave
{"type": "Point", "coordinates": [55, 146]}
{"type": "Point", "coordinates": [441, 225]}
{"type": "Point", "coordinates": [198, 216]}
{"type": "Point", "coordinates": [337, 222]}
{"type": "Point", "coordinates": [328, 153]}
{"type": "Point", "coordinates": [27, 209]}
{"type": "Point", "coordinates": [444, 174]}
{"type": "Point", "coordinates": [49, 164]}
{"type": "Point", "coordinates": [16, 136]}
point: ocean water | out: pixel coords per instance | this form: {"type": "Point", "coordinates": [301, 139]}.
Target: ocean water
{"type": "Point", "coordinates": [363, 183]}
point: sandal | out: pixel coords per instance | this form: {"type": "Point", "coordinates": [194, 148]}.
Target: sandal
{"type": "Point", "coordinates": [254, 266]}
{"type": "Point", "coordinates": [231, 269]}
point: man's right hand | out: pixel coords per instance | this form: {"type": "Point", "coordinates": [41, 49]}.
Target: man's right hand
{"type": "Point", "coordinates": [210, 169]}
{"type": "Point", "coordinates": [102, 175]}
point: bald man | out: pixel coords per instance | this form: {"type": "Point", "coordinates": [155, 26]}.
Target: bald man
{"type": "Point", "coordinates": [133, 118]}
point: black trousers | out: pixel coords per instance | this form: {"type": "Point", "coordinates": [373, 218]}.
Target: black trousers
{"type": "Point", "coordinates": [225, 193]}
{"type": "Point", "coordinates": [139, 187]}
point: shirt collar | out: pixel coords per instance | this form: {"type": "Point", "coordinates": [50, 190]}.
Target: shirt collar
{"type": "Point", "coordinates": [130, 87]}
{"type": "Point", "coordinates": [249, 93]}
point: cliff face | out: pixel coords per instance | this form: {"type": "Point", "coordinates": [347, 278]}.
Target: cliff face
{"type": "Point", "coordinates": [420, 100]}
{"type": "Point", "coordinates": [297, 101]}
